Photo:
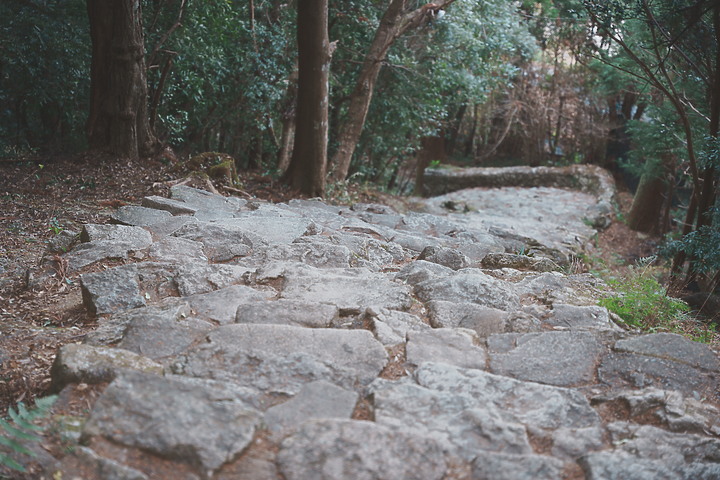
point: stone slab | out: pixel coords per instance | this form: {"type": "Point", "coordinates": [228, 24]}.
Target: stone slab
{"type": "Point", "coordinates": [335, 449]}
{"type": "Point", "coordinates": [554, 358]}
{"type": "Point", "coordinates": [446, 345]}
{"type": "Point", "coordinates": [161, 415]}
{"type": "Point", "coordinates": [485, 321]}
{"type": "Point", "coordinates": [175, 207]}
{"type": "Point", "coordinates": [287, 312]}
{"type": "Point", "coordinates": [138, 216]}
{"type": "Point", "coordinates": [112, 290]}
{"type": "Point", "coordinates": [315, 400]}
{"type": "Point", "coordinates": [470, 286]}
{"type": "Point", "coordinates": [77, 363]}
{"type": "Point", "coordinates": [671, 346]}
{"type": "Point", "coordinates": [280, 359]}
{"type": "Point", "coordinates": [504, 466]}
{"type": "Point", "coordinates": [220, 306]}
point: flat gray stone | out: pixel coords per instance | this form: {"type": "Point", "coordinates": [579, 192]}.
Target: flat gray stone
{"type": "Point", "coordinates": [315, 400]}
{"type": "Point", "coordinates": [647, 441]}
{"type": "Point", "coordinates": [669, 408]}
{"type": "Point", "coordinates": [287, 312]}
{"type": "Point", "coordinates": [504, 466]}
{"type": "Point", "coordinates": [177, 250]}
{"type": "Point", "coordinates": [112, 290]}
{"type": "Point", "coordinates": [272, 230]}
{"type": "Point", "coordinates": [138, 216]}
{"type": "Point", "coordinates": [170, 225]}
{"type": "Point", "coordinates": [447, 257]}
{"type": "Point", "coordinates": [469, 410]}
{"type": "Point", "coordinates": [220, 306]}
{"type": "Point", "coordinates": [206, 203]}
{"type": "Point", "coordinates": [391, 327]}
{"type": "Point", "coordinates": [137, 236]}
{"type": "Point", "coordinates": [485, 321]}
{"type": "Point", "coordinates": [574, 317]}
{"type": "Point", "coordinates": [75, 363]}
{"type": "Point", "coordinates": [351, 289]}
{"type": "Point", "coordinates": [193, 279]}
{"type": "Point", "coordinates": [415, 243]}
{"type": "Point", "coordinates": [104, 242]}
{"type": "Point", "coordinates": [554, 288]}
{"type": "Point", "coordinates": [175, 207]}
{"type": "Point", "coordinates": [201, 422]}
{"type": "Point", "coordinates": [112, 330]}
{"type": "Point", "coordinates": [366, 251]}
{"type": "Point", "coordinates": [159, 337]}
{"type": "Point", "coordinates": [335, 449]}
{"type": "Point", "coordinates": [470, 287]}
{"type": "Point", "coordinates": [280, 358]}
{"type": "Point", "coordinates": [321, 255]}
{"type": "Point", "coordinates": [221, 242]}
{"type": "Point", "coordinates": [671, 346]}
{"type": "Point", "coordinates": [554, 358]}
{"type": "Point", "coordinates": [622, 370]}
{"type": "Point", "coordinates": [519, 262]}
{"type": "Point", "coordinates": [420, 270]}
{"type": "Point", "coordinates": [542, 406]}
{"type": "Point", "coordinates": [662, 454]}
{"type": "Point", "coordinates": [606, 465]}
{"type": "Point", "coordinates": [446, 345]}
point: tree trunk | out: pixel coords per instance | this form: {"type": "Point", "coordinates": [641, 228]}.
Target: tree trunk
{"type": "Point", "coordinates": [307, 168]}
{"type": "Point", "coordinates": [287, 141]}
{"type": "Point", "coordinates": [118, 120]}
{"type": "Point", "coordinates": [646, 210]}
{"type": "Point", "coordinates": [433, 148]}
{"type": "Point", "coordinates": [392, 25]}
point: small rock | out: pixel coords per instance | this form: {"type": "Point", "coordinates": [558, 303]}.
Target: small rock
{"type": "Point", "coordinates": [138, 216]}
{"type": "Point", "coordinates": [77, 363]}
{"type": "Point", "coordinates": [447, 257]}
{"type": "Point", "coordinates": [112, 290]}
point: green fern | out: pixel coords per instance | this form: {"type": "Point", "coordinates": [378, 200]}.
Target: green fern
{"type": "Point", "coordinates": [19, 430]}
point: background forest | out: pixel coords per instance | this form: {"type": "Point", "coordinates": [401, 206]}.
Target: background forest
{"type": "Point", "coordinates": [631, 85]}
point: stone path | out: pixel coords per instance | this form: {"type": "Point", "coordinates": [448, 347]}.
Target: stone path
{"type": "Point", "coordinates": [242, 339]}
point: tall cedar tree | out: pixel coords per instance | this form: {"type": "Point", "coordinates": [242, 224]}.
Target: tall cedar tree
{"type": "Point", "coordinates": [118, 119]}
{"type": "Point", "coordinates": [309, 159]}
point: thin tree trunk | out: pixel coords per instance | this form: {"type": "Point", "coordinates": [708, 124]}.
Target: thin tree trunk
{"type": "Point", "coordinates": [309, 159]}
{"type": "Point", "coordinates": [118, 119]}
{"type": "Point", "coordinates": [393, 24]}
{"type": "Point", "coordinates": [645, 213]}
{"type": "Point", "coordinates": [287, 140]}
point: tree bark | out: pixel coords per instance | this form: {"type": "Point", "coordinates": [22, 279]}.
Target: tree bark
{"type": "Point", "coordinates": [307, 168]}
{"type": "Point", "coordinates": [118, 120]}
{"type": "Point", "coordinates": [287, 140]}
{"type": "Point", "coordinates": [645, 213]}
{"type": "Point", "coordinates": [393, 24]}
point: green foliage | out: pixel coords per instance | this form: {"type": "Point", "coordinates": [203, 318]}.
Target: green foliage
{"type": "Point", "coordinates": [702, 244]}
{"type": "Point", "coordinates": [431, 74]}
{"type": "Point", "coordinates": [44, 75]}
{"type": "Point", "coordinates": [642, 303]}
{"type": "Point", "coordinates": [20, 430]}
